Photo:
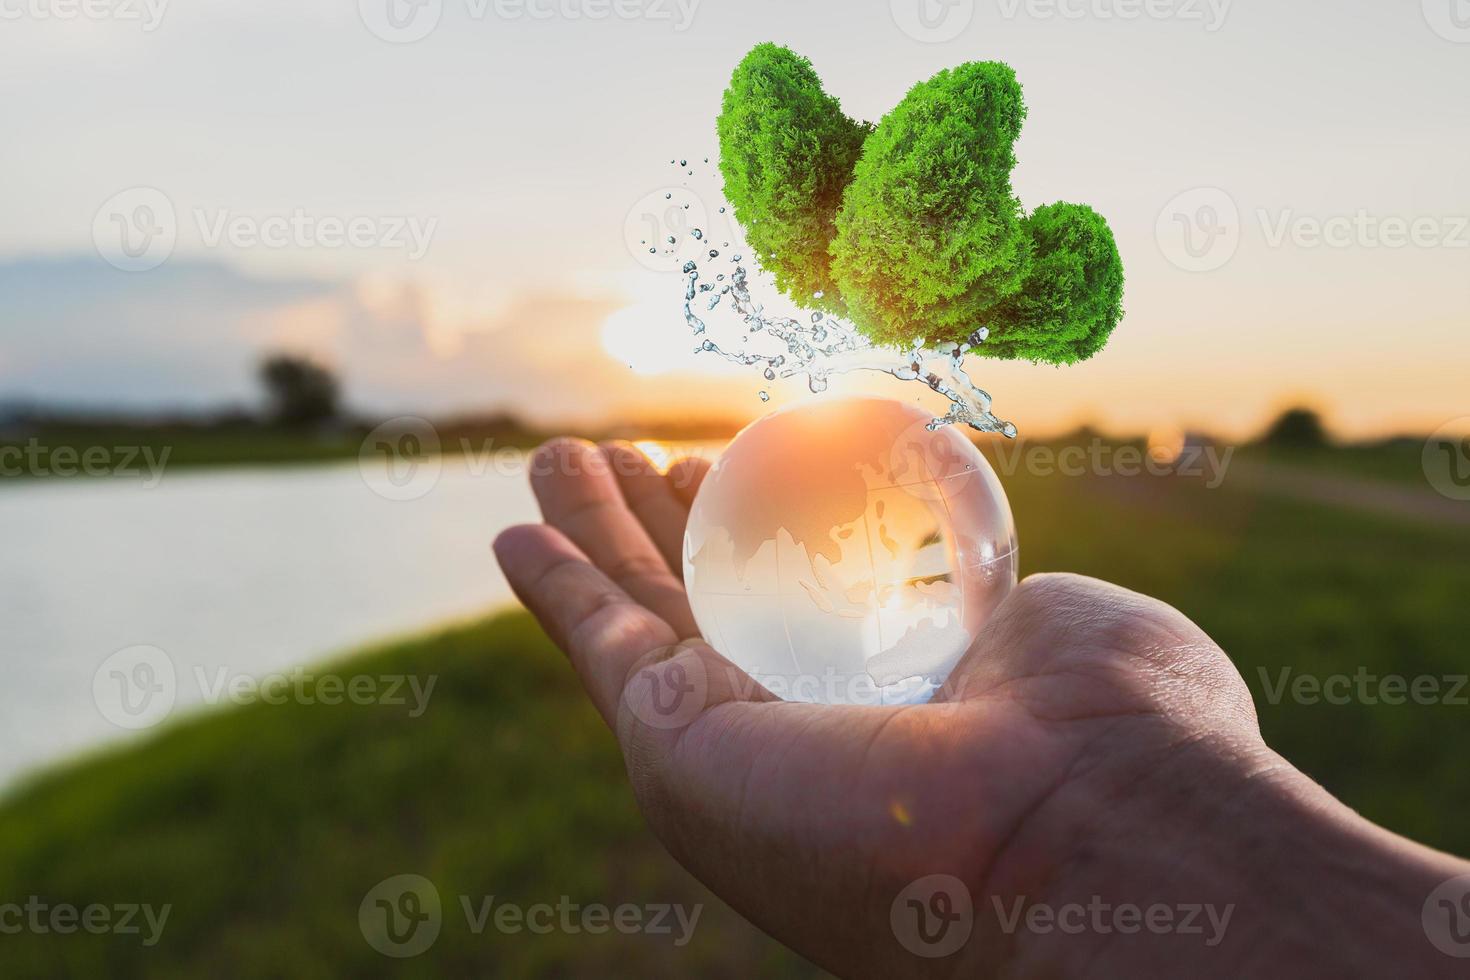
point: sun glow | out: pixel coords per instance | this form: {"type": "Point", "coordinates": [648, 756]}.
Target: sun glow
{"type": "Point", "coordinates": [658, 454]}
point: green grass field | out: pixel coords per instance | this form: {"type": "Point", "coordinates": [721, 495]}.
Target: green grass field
{"type": "Point", "coordinates": [264, 827]}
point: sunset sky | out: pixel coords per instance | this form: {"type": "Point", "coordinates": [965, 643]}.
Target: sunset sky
{"type": "Point", "coordinates": [1287, 184]}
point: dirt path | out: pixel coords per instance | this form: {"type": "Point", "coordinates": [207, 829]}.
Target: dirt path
{"type": "Point", "coordinates": [1421, 504]}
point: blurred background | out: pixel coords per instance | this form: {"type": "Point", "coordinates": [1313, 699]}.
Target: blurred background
{"type": "Point", "coordinates": [286, 290]}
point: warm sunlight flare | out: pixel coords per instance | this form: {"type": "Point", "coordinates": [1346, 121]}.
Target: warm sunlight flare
{"type": "Point", "coordinates": [657, 453]}
{"type": "Point", "coordinates": [1165, 443]}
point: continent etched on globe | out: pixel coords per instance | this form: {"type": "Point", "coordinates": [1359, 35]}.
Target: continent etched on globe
{"type": "Point", "coordinates": [842, 552]}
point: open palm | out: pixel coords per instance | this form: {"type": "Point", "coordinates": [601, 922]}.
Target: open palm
{"type": "Point", "coordinates": [880, 841]}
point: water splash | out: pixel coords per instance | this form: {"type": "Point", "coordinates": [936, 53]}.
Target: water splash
{"type": "Point", "coordinates": [828, 345]}
{"type": "Point", "coordinates": [824, 345]}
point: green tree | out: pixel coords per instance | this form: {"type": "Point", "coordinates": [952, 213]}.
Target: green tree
{"type": "Point", "coordinates": [1296, 428]}
{"type": "Point", "coordinates": [299, 392]}
{"type": "Point", "coordinates": [786, 152]}
{"type": "Point", "coordinates": [910, 228]}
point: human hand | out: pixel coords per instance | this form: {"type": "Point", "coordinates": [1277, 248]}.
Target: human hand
{"type": "Point", "coordinates": [1094, 748]}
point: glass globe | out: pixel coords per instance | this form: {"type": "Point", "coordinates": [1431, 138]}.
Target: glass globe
{"type": "Point", "coordinates": [840, 552]}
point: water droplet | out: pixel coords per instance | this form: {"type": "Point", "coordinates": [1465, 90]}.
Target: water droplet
{"type": "Point", "coordinates": [722, 210]}
{"type": "Point", "coordinates": [765, 396]}
{"type": "Point", "coordinates": [683, 163]}
{"type": "Point", "coordinates": [669, 196]}
{"type": "Point", "coordinates": [698, 235]}
{"type": "Point", "coordinates": [714, 254]}
{"type": "Point", "coordinates": [818, 344]}
{"type": "Point", "coordinates": [672, 240]}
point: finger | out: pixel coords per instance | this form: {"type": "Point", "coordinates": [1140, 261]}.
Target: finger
{"type": "Point", "coordinates": [579, 495]}
{"type": "Point", "coordinates": [685, 477]}
{"type": "Point", "coordinates": [602, 629]}
{"type": "Point", "coordinates": [651, 499]}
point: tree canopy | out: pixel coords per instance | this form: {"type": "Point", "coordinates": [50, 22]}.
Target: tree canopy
{"type": "Point", "coordinates": [910, 228]}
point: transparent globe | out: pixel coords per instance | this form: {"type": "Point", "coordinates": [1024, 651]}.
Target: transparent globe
{"type": "Point", "coordinates": [841, 552]}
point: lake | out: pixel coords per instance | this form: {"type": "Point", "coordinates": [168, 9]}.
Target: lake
{"type": "Point", "coordinates": [232, 572]}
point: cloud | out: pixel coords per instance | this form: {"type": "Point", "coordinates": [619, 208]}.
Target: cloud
{"type": "Point", "coordinates": [79, 332]}
{"type": "Point", "coordinates": [189, 336]}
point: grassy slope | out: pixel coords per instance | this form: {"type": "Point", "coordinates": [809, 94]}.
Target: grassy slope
{"type": "Point", "coordinates": [265, 826]}
{"type": "Point", "coordinates": [247, 446]}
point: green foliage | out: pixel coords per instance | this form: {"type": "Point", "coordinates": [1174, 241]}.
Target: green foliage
{"type": "Point", "coordinates": [301, 392]}
{"type": "Point", "coordinates": [786, 152]}
{"type": "Point", "coordinates": [922, 235]}
{"type": "Point", "coordinates": [1072, 294]}
{"type": "Point", "coordinates": [929, 237]}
